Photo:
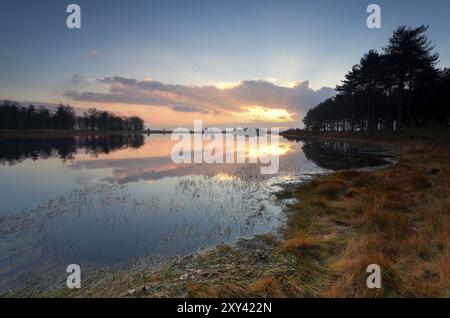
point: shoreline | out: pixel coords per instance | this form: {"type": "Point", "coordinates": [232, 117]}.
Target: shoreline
{"type": "Point", "coordinates": [438, 136]}
{"type": "Point", "coordinates": [50, 133]}
{"type": "Point", "coordinates": [338, 223]}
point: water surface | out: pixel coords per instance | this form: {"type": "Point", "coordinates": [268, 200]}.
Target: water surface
{"type": "Point", "coordinates": [108, 200]}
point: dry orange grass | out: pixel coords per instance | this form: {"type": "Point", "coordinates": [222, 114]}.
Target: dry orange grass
{"type": "Point", "coordinates": [398, 218]}
{"type": "Point", "coordinates": [267, 287]}
{"type": "Point", "coordinates": [330, 189]}
{"type": "Point", "coordinates": [402, 221]}
{"type": "Point", "coordinates": [350, 268]}
{"type": "Point", "coordinates": [299, 243]}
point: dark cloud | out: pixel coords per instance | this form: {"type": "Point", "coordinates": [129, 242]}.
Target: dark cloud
{"type": "Point", "coordinates": [79, 80]}
{"type": "Point", "coordinates": [188, 109]}
{"type": "Point", "coordinates": [117, 79]}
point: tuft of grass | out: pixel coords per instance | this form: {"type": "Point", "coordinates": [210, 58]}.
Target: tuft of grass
{"type": "Point", "coordinates": [267, 287]}
{"type": "Point", "coordinates": [300, 244]}
{"type": "Point", "coordinates": [331, 189]}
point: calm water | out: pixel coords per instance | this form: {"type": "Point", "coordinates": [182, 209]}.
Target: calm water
{"type": "Point", "coordinates": [99, 201]}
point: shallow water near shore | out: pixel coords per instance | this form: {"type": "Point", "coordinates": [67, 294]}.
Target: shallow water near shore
{"type": "Point", "coordinates": [107, 200]}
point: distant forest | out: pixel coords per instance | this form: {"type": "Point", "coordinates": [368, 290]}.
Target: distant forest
{"type": "Point", "coordinates": [14, 116]}
{"type": "Point", "coordinates": [397, 88]}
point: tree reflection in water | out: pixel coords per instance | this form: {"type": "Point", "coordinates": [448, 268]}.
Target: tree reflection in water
{"type": "Point", "coordinates": [16, 150]}
{"type": "Point", "coordinates": [340, 155]}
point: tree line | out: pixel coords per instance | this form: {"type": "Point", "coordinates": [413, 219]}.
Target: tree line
{"type": "Point", "coordinates": [14, 116]}
{"type": "Point", "coordinates": [399, 87]}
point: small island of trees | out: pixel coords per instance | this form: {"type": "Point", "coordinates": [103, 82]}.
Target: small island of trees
{"type": "Point", "coordinates": [399, 88]}
{"type": "Point", "coordinates": [14, 116]}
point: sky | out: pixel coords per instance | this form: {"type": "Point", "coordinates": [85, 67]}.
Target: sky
{"type": "Point", "coordinates": [229, 63]}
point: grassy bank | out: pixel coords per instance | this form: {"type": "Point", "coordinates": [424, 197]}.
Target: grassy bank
{"type": "Point", "coordinates": [436, 135]}
{"type": "Point", "coordinates": [397, 217]}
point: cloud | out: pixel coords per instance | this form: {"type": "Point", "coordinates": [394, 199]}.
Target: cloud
{"type": "Point", "coordinates": [296, 98]}
{"type": "Point", "coordinates": [187, 109]}
{"type": "Point", "coordinates": [79, 80]}
{"type": "Point", "coordinates": [92, 53]}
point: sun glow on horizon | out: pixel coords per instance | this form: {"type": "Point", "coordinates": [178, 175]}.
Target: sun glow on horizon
{"type": "Point", "coordinates": [226, 85]}
{"type": "Point", "coordinates": [259, 113]}
{"type": "Point", "coordinates": [268, 150]}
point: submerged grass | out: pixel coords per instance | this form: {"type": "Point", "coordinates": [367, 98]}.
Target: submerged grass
{"type": "Point", "coordinates": [397, 217]}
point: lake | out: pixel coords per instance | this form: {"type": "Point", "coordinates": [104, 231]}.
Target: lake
{"type": "Point", "coordinates": [111, 200]}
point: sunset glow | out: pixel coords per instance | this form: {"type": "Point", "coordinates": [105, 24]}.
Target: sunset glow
{"type": "Point", "coordinates": [268, 150]}
{"type": "Point", "coordinates": [262, 114]}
